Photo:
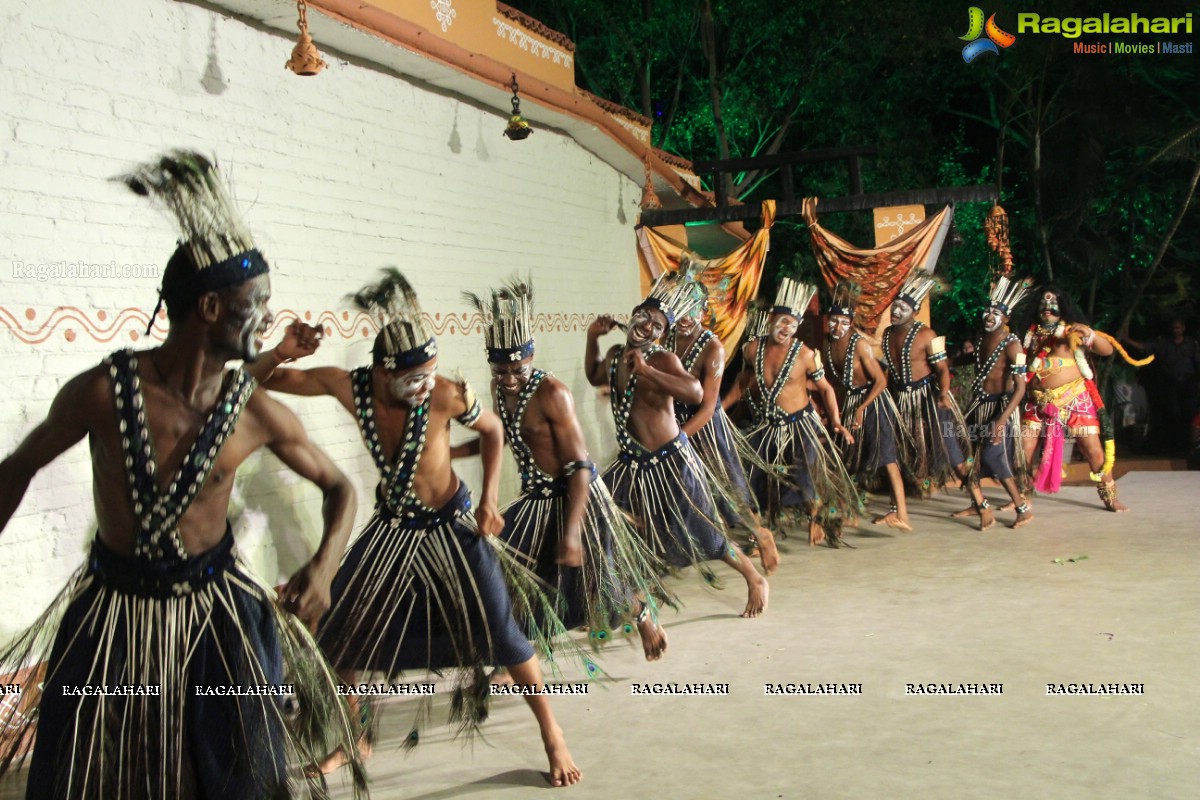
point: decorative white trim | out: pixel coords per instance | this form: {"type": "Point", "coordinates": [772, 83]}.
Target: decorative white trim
{"type": "Point", "coordinates": [638, 131]}
{"type": "Point", "coordinates": [526, 42]}
{"type": "Point", "coordinates": [445, 14]}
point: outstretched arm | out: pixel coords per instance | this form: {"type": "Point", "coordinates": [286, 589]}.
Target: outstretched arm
{"type": "Point", "coordinates": [307, 593]}
{"type": "Point", "coordinates": [299, 340]}
{"type": "Point", "coordinates": [64, 427]}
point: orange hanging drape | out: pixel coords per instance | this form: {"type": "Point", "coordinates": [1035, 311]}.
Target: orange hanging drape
{"type": "Point", "coordinates": [733, 278]}
{"type": "Point", "coordinates": [879, 271]}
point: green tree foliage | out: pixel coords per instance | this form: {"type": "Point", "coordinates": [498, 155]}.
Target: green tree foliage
{"type": "Point", "coordinates": [1095, 156]}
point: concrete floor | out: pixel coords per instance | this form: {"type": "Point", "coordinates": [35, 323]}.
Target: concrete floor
{"type": "Point", "coordinates": [946, 604]}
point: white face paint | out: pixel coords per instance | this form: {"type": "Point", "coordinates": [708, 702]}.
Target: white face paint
{"type": "Point", "coordinates": [247, 316]}
{"type": "Point", "coordinates": [902, 312]}
{"type": "Point", "coordinates": [687, 327]}
{"type": "Point", "coordinates": [413, 386]}
{"type": "Point", "coordinates": [839, 326]}
{"type": "Point", "coordinates": [511, 378]}
{"type": "Point", "coordinates": [992, 319]}
{"type": "Point", "coordinates": [646, 326]}
{"type": "Point", "coordinates": [783, 327]}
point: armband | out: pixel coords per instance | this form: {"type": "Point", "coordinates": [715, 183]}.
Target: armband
{"type": "Point", "coordinates": [474, 408]}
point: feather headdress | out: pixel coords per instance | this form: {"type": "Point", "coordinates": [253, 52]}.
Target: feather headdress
{"type": "Point", "coordinates": [507, 320]}
{"type": "Point", "coordinates": [793, 297]}
{"type": "Point", "coordinates": [1006, 293]}
{"type": "Point", "coordinates": [190, 189]}
{"type": "Point", "coordinates": [404, 339]}
{"type": "Point", "coordinates": [916, 287]}
{"type": "Point", "coordinates": [676, 294]}
{"type": "Point", "coordinates": [844, 299]}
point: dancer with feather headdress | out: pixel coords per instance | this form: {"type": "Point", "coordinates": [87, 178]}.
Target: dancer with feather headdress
{"type": "Point", "coordinates": [165, 660]}
{"type": "Point", "coordinates": [919, 377]}
{"type": "Point", "coordinates": [425, 585]}
{"type": "Point", "coordinates": [868, 409]}
{"type": "Point", "coordinates": [789, 436]}
{"type": "Point", "coordinates": [565, 521]}
{"type": "Point", "coordinates": [657, 477]}
{"type": "Point", "coordinates": [996, 394]}
{"type": "Point", "coordinates": [721, 447]}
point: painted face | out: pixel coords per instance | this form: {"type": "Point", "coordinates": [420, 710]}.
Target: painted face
{"type": "Point", "coordinates": [993, 318]}
{"type": "Point", "coordinates": [689, 326]}
{"type": "Point", "coordinates": [1048, 309]}
{"type": "Point", "coordinates": [839, 326]}
{"type": "Point", "coordinates": [902, 312]}
{"type": "Point", "coordinates": [245, 317]}
{"type": "Point", "coordinates": [511, 378]}
{"type": "Point", "coordinates": [783, 327]}
{"type": "Point", "coordinates": [646, 326]}
{"type": "Point", "coordinates": [412, 386]}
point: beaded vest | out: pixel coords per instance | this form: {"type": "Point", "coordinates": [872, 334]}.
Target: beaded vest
{"type": "Point", "coordinates": [159, 510]}
{"type": "Point", "coordinates": [533, 478]}
{"type": "Point", "coordinates": [397, 475]}
{"type": "Point", "coordinates": [685, 410]}
{"type": "Point", "coordinates": [764, 401]}
{"type": "Point", "coordinates": [622, 402]}
{"type": "Point", "coordinates": [905, 370]}
{"type": "Point", "coordinates": [845, 375]}
{"type": "Point", "coordinates": [984, 366]}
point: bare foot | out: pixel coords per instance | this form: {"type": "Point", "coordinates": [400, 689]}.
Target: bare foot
{"type": "Point", "coordinates": [756, 598]}
{"type": "Point", "coordinates": [1022, 519]}
{"type": "Point", "coordinates": [969, 511]}
{"type": "Point", "coordinates": [894, 520]}
{"type": "Point", "coordinates": [338, 759]}
{"type": "Point", "coordinates": [1009, 506]}
{"type": "Point", "coordinates": [767, 550]}
{"type": "Point", "coordinates": [986, 519]}
{"type": "Point", "coordinates": [654, 639]}
{"type": "Point", "coordinates": [563, 771]}
{"type": "Point", "coordinates": [1116, 506]}
{"type": "Point", "coordinates": [816, 534]}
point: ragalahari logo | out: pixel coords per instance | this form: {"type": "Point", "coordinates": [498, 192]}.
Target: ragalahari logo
{"type": "Point", "coordinates": [996, 38]}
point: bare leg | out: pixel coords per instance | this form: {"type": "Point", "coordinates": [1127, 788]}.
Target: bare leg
{"type": "Point", "coordinates": [1017, 503]}
{"type": "Point", "coordinates": [339, 758]}
{"type": "Point", "coordinates": [563, 771]}
{"type": "Point", "coordinates": [654, 637]}
{"type": "Point", "coordinates": [767, 551]}
{"type": "Point", "coordinates": [1094, 453]}
{"type": "Point", "coordinates": [986, 518]}
{"type": "Point", "coordinates": [756, 585]}
{"type": "Point", "coordinates": [899, 517]}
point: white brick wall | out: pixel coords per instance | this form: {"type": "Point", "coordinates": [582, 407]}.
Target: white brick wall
{"type": "Point", "coordinates": [340, 175]}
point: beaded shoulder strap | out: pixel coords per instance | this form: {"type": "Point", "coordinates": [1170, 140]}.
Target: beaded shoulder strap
{"type": "Point", "coordinates": [512, 423]}
{"type": "Point", "coordinates": [693, 353]}
{"type": "Point", "coordinates": [397, 474]}
{"type": "Point", "coordinates": [846, 373]}
{"type": "Point", "coordinates": [983, 367]}
{"type": "Point", "coordinates": [622, 402]}
{"type": "Point", "coordinates": [905, 351]}
{"type": "Point", "coordinates": [158, 511]}
{"type": "Point", "coordinates": [765, 405]}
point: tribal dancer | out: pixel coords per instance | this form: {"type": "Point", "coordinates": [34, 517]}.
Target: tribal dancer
{"type": "Point", "coordinates": [422, 585]}
{"type": "Point", "coordinates": [707, 426]}
{"type": "Point", "coordinates": [996, 395]}
{"type": "Point", "coordinates": [565, 520]}
{"type": "Point", "coordinates": [916, 357]}
{"type": "Point", "coordinates": [868, 408]}
{"type": "Point", "coordinates": [658, 477]}
{"type": "Point", "coordinates": [164, 608]}
{"type": "Point", "coordinates": [789, 434]}
{"type": "Point", "coordinates": [1063, 398]}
